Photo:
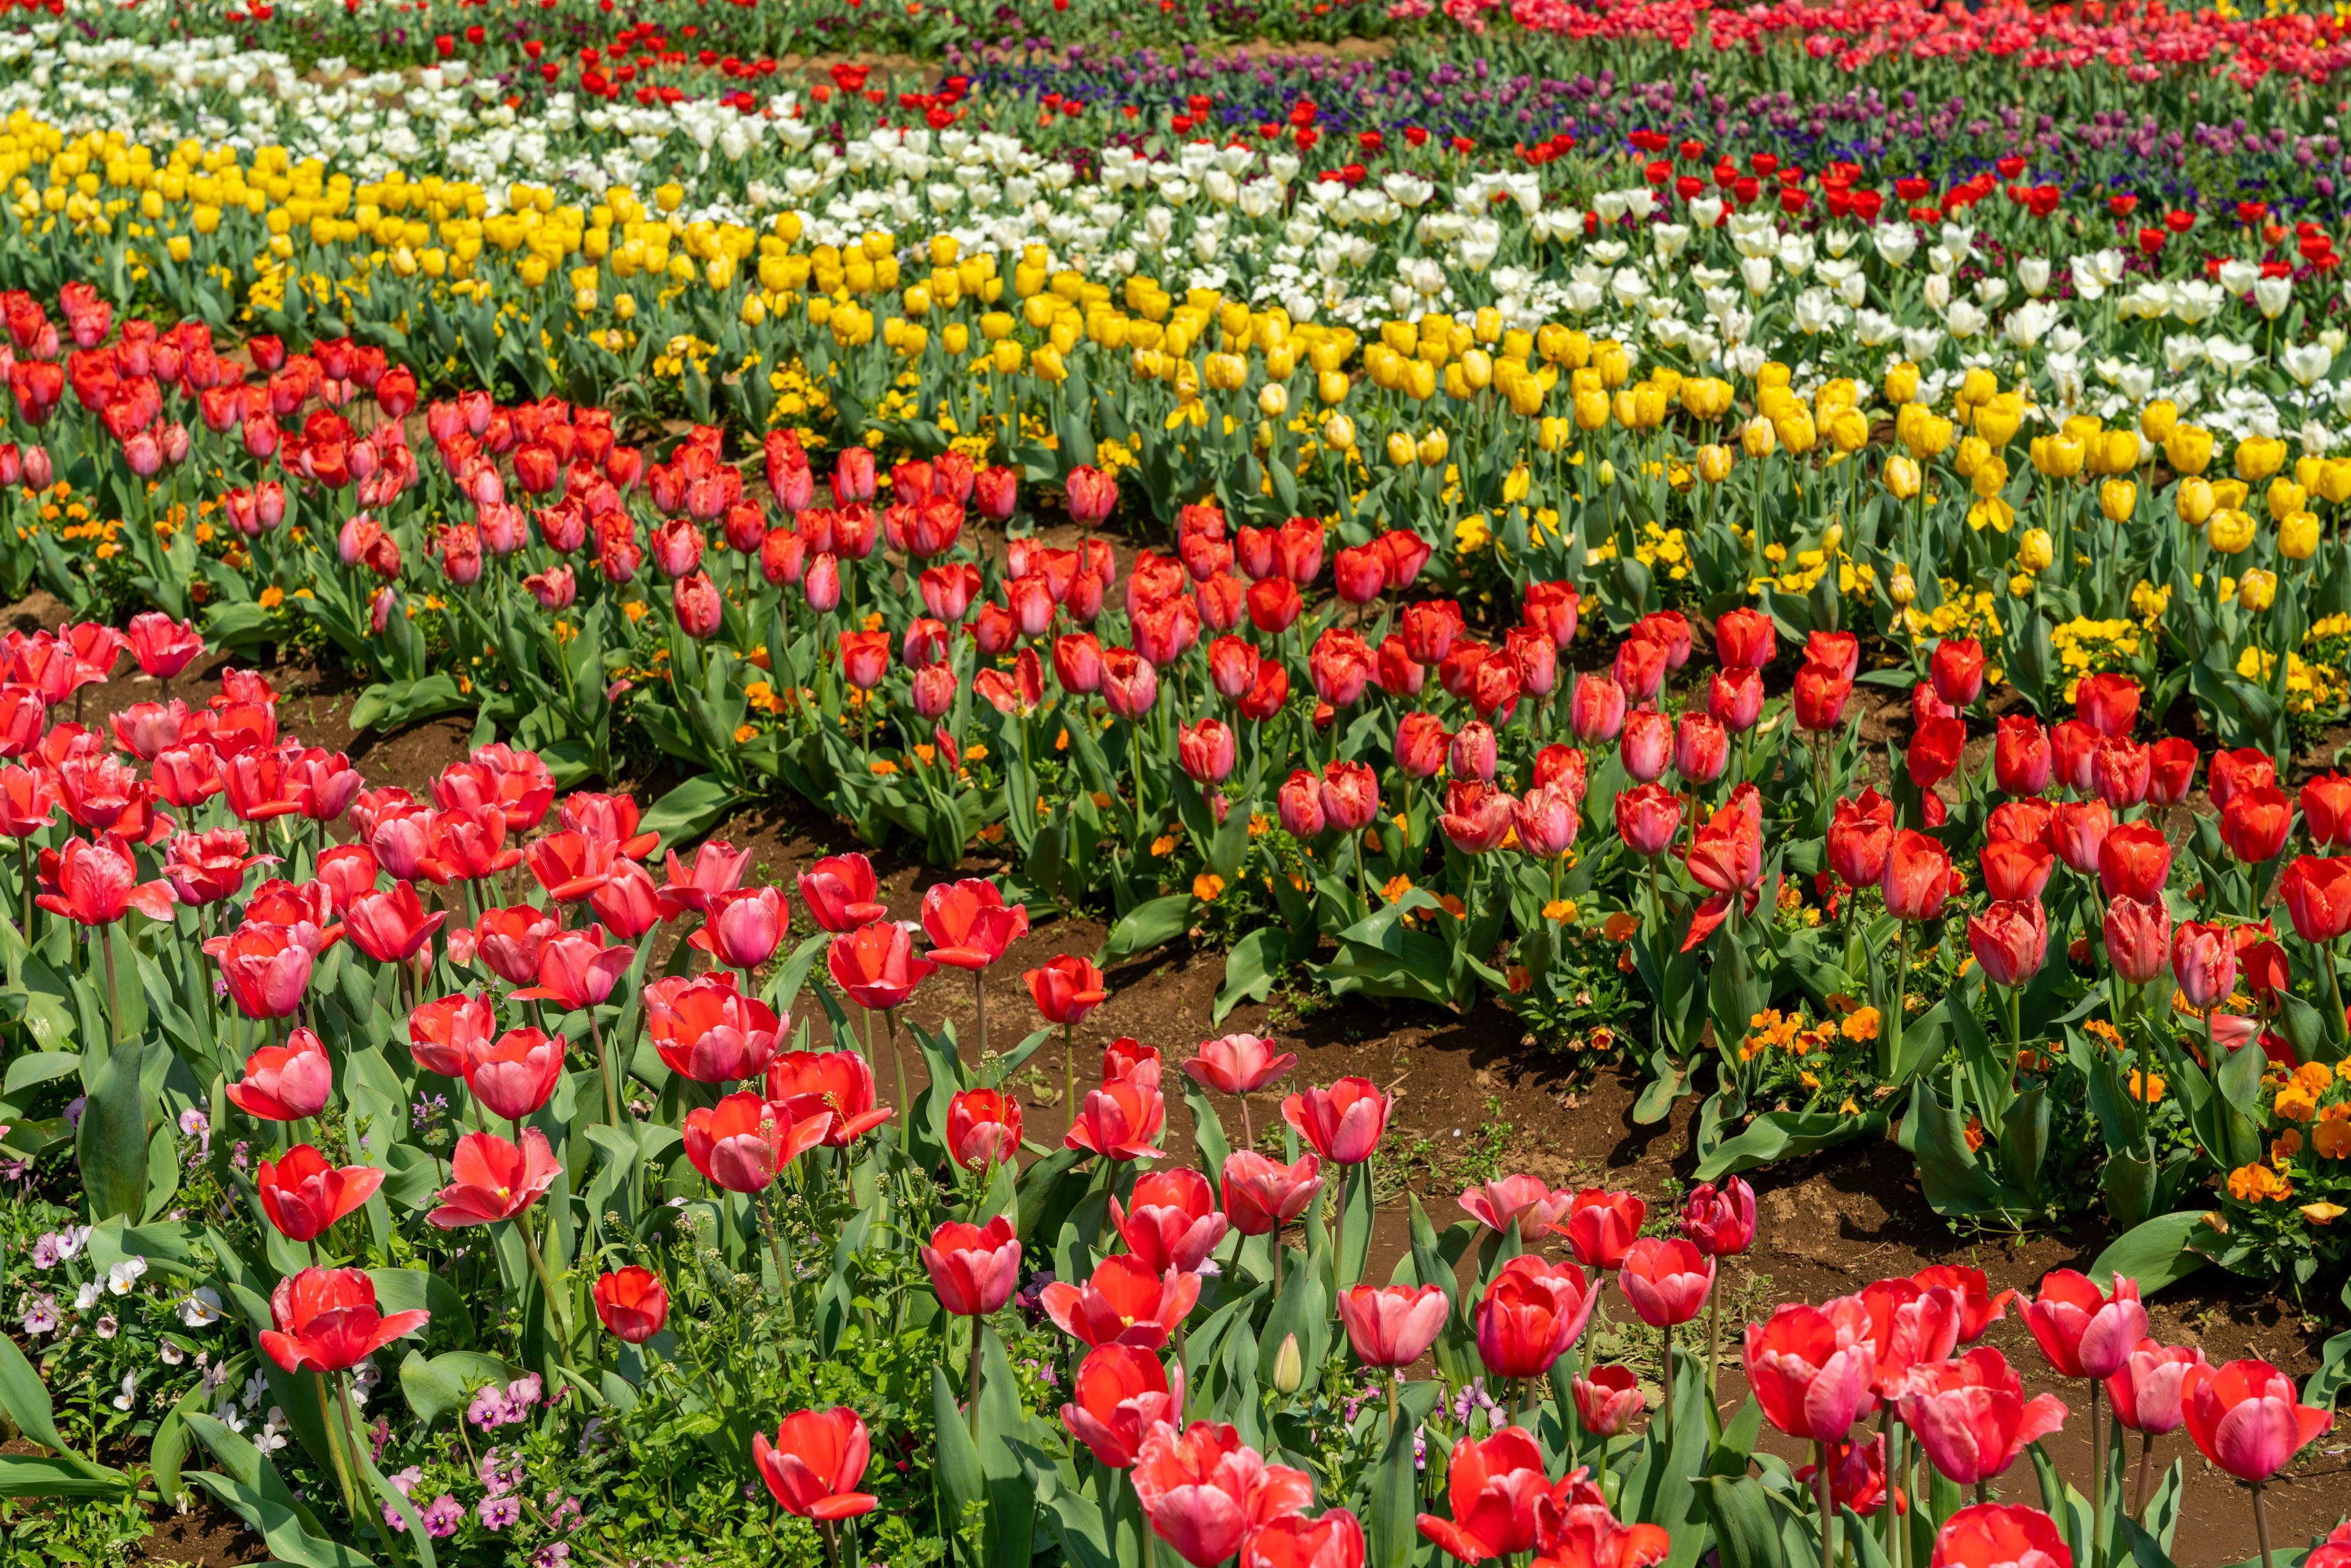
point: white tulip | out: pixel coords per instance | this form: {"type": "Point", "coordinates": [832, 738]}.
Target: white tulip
{"type": "Point", "coordinates": [1937, 289]}
{"type": "Point", "coordinates": [1965, 318]}
{"type": "Point", "coordinates": [2272, 294]}
{"type": "Point", "coordinates": [2236, 275]}
{"type": "Point", "coordinates": [1755, 271]}
{"type": "Point", "coordinates": [2305, 363]}
{"type": "Point", "coordinates": [2033, 275]}
{"type": "Point", "coordinates": [1897, 242]}
{"type": "Point", "coordinates": [1705, 211]}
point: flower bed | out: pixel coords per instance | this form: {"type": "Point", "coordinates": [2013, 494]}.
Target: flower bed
{"type": "Point", "coordinates": [1272, 503]}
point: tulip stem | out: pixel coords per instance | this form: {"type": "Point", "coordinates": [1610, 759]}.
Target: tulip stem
{"type": "Point", "coordinates": [2261, 1527]}
{"type": "Point", "coordinates": [604, 1064]}
{"type": "Point", "coordinates": [25, 880]}
{"type": "Point", "coordinates": [2098, 1471]}
{"type": "Point", "coordinates": [1889, 1030]}
{"type": "Point", "coordinates": [775, 1251]}
{"type": "Point", "coordinates": [974, 1382]}
{"type": "Point", "coordinates": [538, 1266]}
{"type": "Point", "coordinates": [897, 1062]}
{"type": "Point", "coordinates": [2146, 1452]}
{"type": "Point", "coordinates": [1068, 1076]}
{"type": "Point", "coordinates": [1665, 1406]}
{"type": "Point", "coordinates": [832, 1542]}
{"type": "Point", "coordinates": [1828, 1515]}
{"type": "Point", "coordinates": [114, 1003]}
{"type": "Point", "coordinates": [1713, 1341]}
{"type": "Point", "coordinates": [343, 1466]}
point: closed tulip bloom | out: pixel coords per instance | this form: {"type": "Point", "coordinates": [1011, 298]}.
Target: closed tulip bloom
{"type": "Point", "coordinates": [1861, 838]}
{"type": "Point", "coordinates": [1744, 638]}
{"type": "Point", "coordinates": [326, 1320]}
{"type": "Point", "coordinates": [2077, 832]}
{"type": "Point", "coordinates": [1701, 748]}
{"type": "Point", "coordinates": [1119, 1121]}
{"type": "Point", "coordinates": [1333, 1541]}
{"type": "Point", "coordinates": [1647, 817]}
{"type": "Point", "coordinates": [1476, 818]}
{"type": "Point", "coordinates": [1299, 803]}
{"type": "Point", "coordinates": [742, 928]}
{"type": "Point", "coordinates": [492, 1179]}
{"type": "Point", "coordinates": [1934, 751]}
{"type": "Point", "coordinates": [2139, 938]}
{"type": "Point", "coordinates": [2245, 1418]}
{"type": "Point", "coordinates": [2204, 963]}
{"type": "Point", "coordinates": [1494, 1486]}
{"type": "Point", "coordinates": [1640, 667]}
{"type": "Point", "coordinates": [2254, 823]}
{"type": "Point", "coordinates": [1665, 1279]}
{"type": "Point", "coordinates": [1238, 1064]}
{"type": "Point", "coordinates": [970, 924]}
{"type": "Point", "coordinates": [1126, 1301]}
{"type": "Point", "coordinates": [1525, 1201]}
{"type": "Point", "coordinates": [1907, 1325]}
{"type": "Point", "coordinates": [2001, 1535]}
{"type": "Point", "coordinates": [1472, 752]}
{"type": "Point", "coordinates": [1341, 1123]}
{"type": "Point", "coordinates": [444, 1034]}
{"type": "Point", "coordinates": [835, 1082]}
{"type": "Point", "coordinates": [2118, 772]}
{"type": "Point", "coordinates": [2074, 749]}
{"type": "Point", "coordinates": [577, 969]}
{"type": "Point", "coordinates": [1720, 1220]}
{"type": "Point", "coordinates": [1172, 1221]}
{"type": "Point", "coordinates": [709, 1031]}
{"type": "Point", "coordinates": [1646, 745]}
{"type": "Point", "coordinates": [876, 965]}
{"type": "Point", "coordinates": [973, 1269]}
{"type": "Point", "coordinates": [288, 1083]}
{"type": "Point", "coordinates": [1066, 989]}
{"type": "Point", "coordinates": [2134, 861]}
{"type": "Point", "coordinates": [742, 1141]}
{"type": "Point", "coordinates": [2014, 872]}
{"type": "Point", "coordinates": [391, 927]}
{"type": "Point", "coordinates": [1606, 1400]}
{"type": "Point", "coordinates": [2147, 1391]}
{"type": "Point", "coordinates": [510, 941]}
{"type": "Point", "coordinates": [2243, 767]}
{"type": "Point", "coordinates": [1918, 877]}
{"type": "Point", "coordinates": [2022, 759]}
{"type": "Point", "coordinates": [304, 1196]}
{"type": "Point", "coordinates": [632, 1303]}
{"type": "Point", "coordinates": [1392, 1326]}
{"type": "Point", "coordinates": [1819, 699]}
{"type": "Point", "coordinates": [2107, 704]}
{"type": "Point", "coordinates": [840, 894]}
{"type": "Point", "coordinates": [1530, 1315]}
{"type": "Point", "coordinates": [983, 1128]}
{"type": "Point", "coordinates": [1601, 1226]}
{"type": "Point", "coordinates": [1957, 670]}
{"type": "Point", "coordinates": [1204, 748]}
{"type": "Point", "coordinates": [2327, 810]}
{"type": "Point", "coordinates": [1811, 1373]}
{"type": "Point", "coordinates": [816, 1463]}
{"type": "Point", "coordinates": [2084, 1331]}
{"type": "Point", "coordinates": [1972, 1417]}
{"type": "Point", "coordinates": [1351, 796]}
{"type": "Point", "coordinates": [1734, 698]}
{"type": "Point", "coordinates": [1204, 1491]}
{"type": "Point", "coordinates": [1119, 1396]}
{"type": "Point", "coordinates": [1261, 1194]}
{"type": "Point", "coordinates": [265, 971]}
{"type": "Point", "coordinates": [1421, 745]}
{"type": "Point", "coordinates": [2317, 896]}
{"type": "Point", "coordinates": [1596, 712]}
{"type": "Point", "coordinates": [1546, 819]}
{"type": "Point", "coordinates": [514, 1077]}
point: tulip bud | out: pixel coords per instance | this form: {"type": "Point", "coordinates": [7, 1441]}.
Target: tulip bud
{"type": "Point", "coordinates": [2257, 589]}
{"type": "Point", "coordinates": [1289, 1365]}
{"type": "Point", "coordinates": [2036, 551]}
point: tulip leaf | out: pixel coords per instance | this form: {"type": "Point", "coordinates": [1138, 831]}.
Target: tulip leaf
{"type": "Point", "coordinates": [1148, 925]}
{"type": "Point", "coordinates": [1786, 1134]}
{"type": "Point", "coordinates": [420, 1290]}
{"type": "Point", "coordinates": [2155, 1252]}
{"type": "Point", "coordinates": [37, 1475]}
{"type": "Point", "coordinates": [39, 1067]}
{"type": "Point", "coordinates": [1250, 967]}
{"type": "Point", "coordinates": [24, 1399]}
{"type": "Point", "coordinates": [1393, 1507]}
{"type": "Point", "coordinates": [688, 811]}
{"type": "Point", "coordinates": [112, 1137]}
{"type": "Point", "coordinates": [956, 1460]}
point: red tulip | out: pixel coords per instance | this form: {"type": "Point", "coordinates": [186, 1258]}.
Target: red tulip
{"type": "Point", "coordinates": [741, 1143]}
{"type": "Point", "coordinates": [1262, 1194]}
{"type": "Point", "coordinates": [1204, 1490]}
{"type": "Point", "coordinates": [2001, 1535]}
{"type": "Point", "coordinates": [2084, 1331]}
{"type": "Point", "coordinates": [1810, 1371]}
{"type": "Point", "coordinates": [2245, 768]}
{"type": "Point", "coordinates": [2246, 1419]}
{"type": "Point", "coordinates": [492, 1179]}
{"type": "Point", "coordinates": [1720, 1219]}
{"type": "Point", "coordinates": [1646, 745]}
{"type": "Point", "coordinates": [2204, 963]}
{"type": "Point", "coordinates": [1972, 1415]}
{"type": "Point", "coordinates": [391, 927]}
{"type": "Point", "coordinates": [2317, 896]}
{"type": "Point", "coordinates": [1119, 1396]}
{"type": "Point", "coordinates": [1744, 639]}
{"type": "Point", "coordinates": [327, 1319]}
{"type": "Point", "coordinates": [1607, 1398]}
{"type": "Point", "coordinates": [1726, 854]}
{"type": "Point", "coordinates": [2107, 704]}
{"type": "Point", "coordinates": [2147, 1391]}
{"type": "Point", "coordinates": [2020, 756]}
{"type": "Point", "coordinates": [1344, 1123]}
{"type": "Point", "coordinates": [2011, 941]}
{"type": "Point", "coordinates": [1238, 1064]}
{"type": "Point", "coordinates": [834, 1082]}
{"type": "Point", "coordinates": [707, 1030]}
{"type": "Point", "coordinates": [1861, 838]}
{"type": "Point", "coordinates": [1934, 751]}
{"type": "Point", "coordinates": [1522, 1200]}
{"type": "Point", "coordinates": [813, 1467]}
{"type": "Point", "coordinates": [2253, 823]}
{"type": "Point", "coordinates": [968, 923]}
{"type": "Point", "coordinates": [1918, 877]}
{"type": "Point", "coordinates": [1601, 1226]}
{"type": "Point", "coordinates": [1978, 1307]}
{"type": "Point", "coordinates": [2327, 810]}
{"type": "Point", "coordinates": [632, 1303]}
{"type": "Point", "coordinates": [95, 883]}
{"type": "Point", "coordinates": [2014, 872]}
{"type": "Point", "coordinates": [876, 965]}
{"type": "Point", "coordinates": [510, 941]}
{"type": "Point", "coordinates": [514, 1077]}
{"type": "Point", "coordinates": [265, 971]}
{"type": "Point", "coordinates": [1596, 712]}
{"type": "Point", "coordinates": [288, 1083]}
{"type": "Point", "coordinates": [1172, 1220]}
{"type": "Point", "coordinates": [840, 894]}
{"type": "Point", "coordinates": [1530, 1315]}
{"type": "Point", "coordinates": [983, 1128]}
{"type": "Point", "coordinates": [1667, 1280]}
{"type": "Point", "coordinates": [1125, 1303]}
{"type": "Point", "coordinates": [1351, 796]}
{"type": "Point", "coordinates": [1494, 1487]}
{"type": "Point", "coordinates": [1119, 1121]}
{"type": "Point", "coordinates": [1819, 699]}
{"type": "Point", "coordinates": [1066, 989]}
{"type": "Point", "coordinates": [2139, 938]}
{"type": "Point", "coordinates": [973, 1269]}
{"type": "Point", "coordinates": [1647, 817]}
{"type": "Point", "coordinates": [1333, 1541]}
{"type": "Point", "coordinates": [742, 928]}
{"type": "Point", "coordinates": [1957, 670]}
{"type": "Point", "coordinates": [304, 1196]}
{"type": "Point", "coordinates": [1299, 803]}
{"type": "Point", "coordinates": [1393, 1326]}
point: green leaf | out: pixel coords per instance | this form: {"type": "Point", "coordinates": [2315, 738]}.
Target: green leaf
{"type": "Point", "coordinates": [956, 1460]}
{"type": "Point", "coordinates": [1389, 1524]}
{"type": "Point", "coordinates": [112, 1139]}
{"type": "Point", "coordinates": [1745, 1533]}
{"type": "Point", "coordinates": [1148, 926]}
{"type": "Point", "coordinates": [1785, 1135]}
{"type": "Point", "coordinates": [1249, 968]}
{"type": "Point", "coordinates": [688, 811]}
{"type": "Point", "coordinates": [2156, 1253]}
{"type": "Point", "coordinates": [39, 1475]}
{"type": "Point", "coordinates": [413, 1290]}
{"type": "Point", "coordinates": [26, 1403]}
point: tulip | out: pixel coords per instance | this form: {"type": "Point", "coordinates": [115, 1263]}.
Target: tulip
{"type": "Point", "coordinates": [1744, 638]}
{"type": "Point", "coordinates": [492, 1179]}
{"type": "Point", "coordinates": [1477, 816]}
{"type": "Point", "coordinates": [1861, 838]}
{"type": "Point", "coordinates": [1238, 1064]}
{"type": "Point", "coordinates": [2317, 896]}
{"type": "Point", "coordinates": [1261, 1194]}
{"type": "Point", "coordinates": [970, 924]}
{"type": "Point", "coordinates": [1126, 1301]}
{"type": "Point", "coordinates": [1206, 749]}
{"type": "Point", "coordinates": [1472, 752]}
{"type": "Point", "coordinates": [876, 965]}
{"type": "Point", "coordinates": [973, 1269]}
{"type": "Point", "coordinates": [1957, 670]}
{"type": "Point", "coordinates": [1934, 751]}
{"type": "Point", "coordinates": [1333, 1541]}
{"type": "Point", "coordinates": [1665, 1279]}
{"type": "Point", "coordinates": [833, 1083]}
{"type": "Point", "coordinates": [1971, 1417]}
{"type": "Point", "coordinates": [1392, 1326]}
{"type": "Point", "coordinates": [2254, 823]}
{"type": "Point", "coordinates": [1341, 1123]}
{"type": "Point", "coordinates": [1819, 699]}
{"type": "Point", "coordinates": [1530, 1315]}
{"type": "Point", "coordinates": [1524, 1201]}
{"type": "Point", "coordinates": [2245, 1418]}
{"type": "Point", "coordinates": [2147, 1391]}
{"type": "Point", "coordinates": [1918, 877]}
{"type": "Point", "coordinates": [983, 1128]}
{"type": "Point", "coordinates": [2107, 703]}
{"type": "Point", "coordinates": [741, 1143]}
{"type": "Point", "coordinates": [741, 928]}
{"type": "Point", "coordinates": [1606, 1399]}
{"type": "Point", "coordinates": [96, 883]}
{"type": "Point", "coordinates": [2204, 963]}
{"type": "Point", "coordinates": [710, 1032]}
{"type": "Point", "coordinates": [2139, 938]}
{"type": "Point", "coordinates": [632, 1303]}
{"type": "Point", "coordinates": [1720, 1220]}
{"type": "Point", "coordinates": [304, 1196]}
{"type": "Point", "coordinates": [326, 1320]}
{"type": "Point", "coordinates": [1596, 712]}
{"type": "Point", "coordinates": [2001, 1535]}
{"type": "Point", "coordinates": [1351, 796]}
{"type": "Point", "coordinates": [391, 927]}
{"type": "Point", "coordinates": [1494, 1486]}
{"type": "Point", "coordinates": [1119, 1121]}
{"type": "Point", "coordinates": [2020, 756]}
{"type": "Point", "coordinates": [2015, 872]}
{"type": "Point", "coordinates": [1810, 1375]}
{"type": "Point", "coordinates": [512, 941]}
{"type": "Point", "coordinates": [1647, 817]}
{"type": "Point", "coordinates": [1119, 1396]}
{"type": "Point", "coordinates": [819, 1456]}
{"type": "Point", "coordinates": [2118, 772]}
{"type": "Point", "coordinates": [1646, 745]}
{"type": "Point", "coordinates": [266, 971]}
{"type": "Point", "coordinates": [288, 1083]}
{"type": "Point", "coordinates": [514, 1077]}
{"type": "Point", "coordinates": [840, 894]}
{"type": "Point", "coordinates": [1204, 1491]}
{"type": "Point", "coordinates": [2327, 810]}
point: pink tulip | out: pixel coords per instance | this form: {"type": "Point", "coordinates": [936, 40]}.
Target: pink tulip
{"type": "Point", "coordinates": [1394, 1325]}
{"type": "Point", "coordinates": [973, 1269]}
{"type": "Point", "coordinates": [1238, 1064]}
{"type": "Point", "coordinates": [1667, 1280]}
{"type": "Point", "coordinates": [1525, 1200]}
{"type": "Point", "coordinates": [1972, 1417]}
{"type": "Point", "coordinates": [2146, 1393]}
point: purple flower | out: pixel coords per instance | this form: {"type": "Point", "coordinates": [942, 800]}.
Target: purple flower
{"type": "Point", "coordinates": [554, 1556]}
{"type": "Point", "coordinates": [497, 1512]}
{"type": "Point", "coordinates": [44, 1251]}
{"type": "Point", "coordinates": [41, 1315]}
{"type": "Point", "coordinates": [522, 1394]}
{"type": "Point", "coordinates": [440, 1516]}
{"type": "Point", "coordinates": [489, 1408]}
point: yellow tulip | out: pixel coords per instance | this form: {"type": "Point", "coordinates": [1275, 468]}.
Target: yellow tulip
{"type": "Point", "coordinates": [2056, 456]}
{"type": "Point", "coordinates": [2192, 499]}
{"type": "Point", "coordinates": [2285, 497]}
{"type": "Point", "coordinates": [2298, 535]}
{"type": "Point", "coordinates": [1902, 476]}
{"type": "Point", "coordinates": [2257, 589]}
{"type": "Point", "coordinates": [2036, 551]}
{"type": "Point", "coordinates": [1902, 384]}
{"type": "Point", "coordinates": [1714, 463]}
{"type": "Point", "coordinates": [2231, 530]}
{"type": "Point", "coordinates": [2258, 457]}
{"type": "Point", "coordinates": [1757, 437]}
{"type": "Point", "coordinates": [1433, 448]}
{"type": "Point", "coordinates": [2188, 449]}
{"type": "Point", "coordinates": [1339, 433]}
{"type": "Point", "coordinates": [2157, 420]}
{"type": "Point", "coordinates": [1400, 450]}
{"type": "Point", "coordinates": [2117, 498]}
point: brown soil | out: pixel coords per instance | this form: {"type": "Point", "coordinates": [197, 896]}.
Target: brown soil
{"type": "Point", "coordinates": [1830, 1224]}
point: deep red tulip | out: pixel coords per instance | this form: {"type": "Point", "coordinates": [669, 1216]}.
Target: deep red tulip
{"type": "Point", "coordinates": [304, 1196]}
{"type": "Point", "coordinates": [632, 1303]}
{"type": "Point", "coordinates": [1119, 1396]}
{"type": "Point", "coordinates": [815, 1464]}
{"type": "Point", "coordinates": [326, 1320]}
{"type": "Point", "coordinates": [1126, 1301]}
{"type": "Point", "coordinates": [493, 1179]}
